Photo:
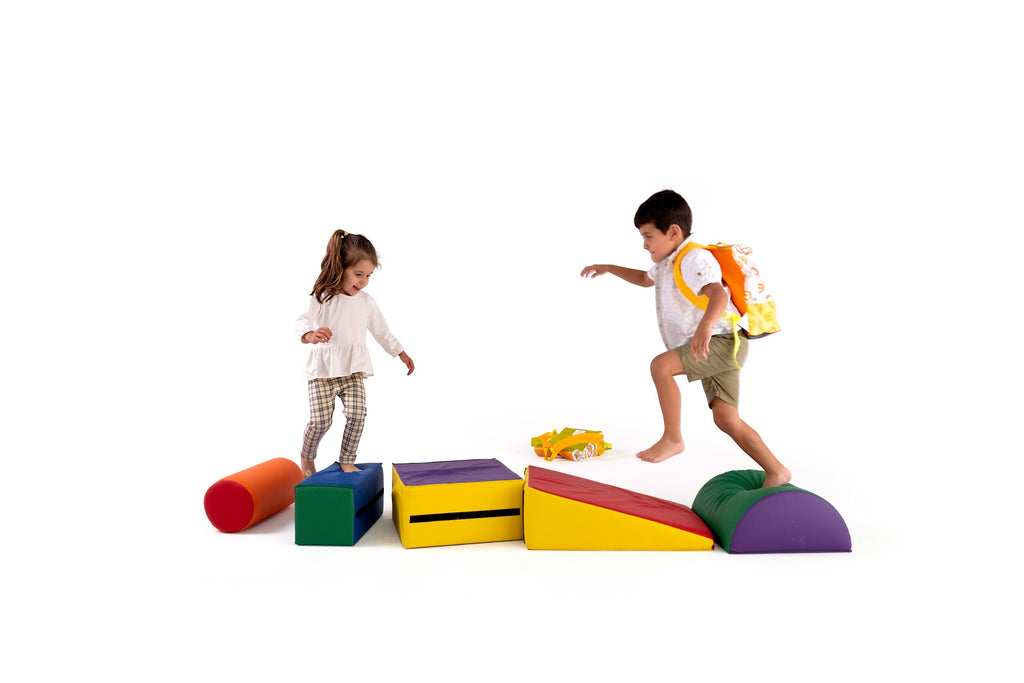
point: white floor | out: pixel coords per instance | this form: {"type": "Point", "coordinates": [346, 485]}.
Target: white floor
{"type": "Point", "coordinates": [171, 179]}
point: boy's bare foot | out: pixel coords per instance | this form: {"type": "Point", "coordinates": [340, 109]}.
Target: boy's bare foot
{"type": "Point", "coordinates": [663, 450]}
{"type": "Point", "coordinates": [346, 467]}
{"type": "Point", "coordinates": [308, 469]}
{"type": "Point", "coordinates": [777, 478]}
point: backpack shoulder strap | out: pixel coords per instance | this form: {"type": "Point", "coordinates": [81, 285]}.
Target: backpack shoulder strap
{"type": "Point", "coordinates": [700, 302]}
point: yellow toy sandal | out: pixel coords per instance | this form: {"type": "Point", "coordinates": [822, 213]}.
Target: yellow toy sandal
{"type": "Point", "coordinates": [570, 443]}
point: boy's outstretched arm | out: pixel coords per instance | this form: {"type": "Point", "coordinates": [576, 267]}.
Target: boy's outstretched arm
{"type": "Point", "coordinates": [630, 275]}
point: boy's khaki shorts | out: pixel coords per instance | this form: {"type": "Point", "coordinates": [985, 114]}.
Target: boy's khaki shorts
{"type": "Point", "coordinates": [718, 374]}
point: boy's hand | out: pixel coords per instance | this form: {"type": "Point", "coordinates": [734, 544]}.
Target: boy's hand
{"type": "Point", "coordinates": [408, 362]}
{"type": "Point", "coordinates": [701, 343]}
{"type": "Point", "coordinates": [318, 336]}
{"type": "Point", "coordinates": [595, 270]}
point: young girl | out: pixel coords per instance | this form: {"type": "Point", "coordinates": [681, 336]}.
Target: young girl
{"type": "Point", "coordinates": [339, 315]}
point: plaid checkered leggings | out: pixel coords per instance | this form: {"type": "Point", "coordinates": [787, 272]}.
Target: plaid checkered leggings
{"type": "Point", "coordinates": [321, 414]}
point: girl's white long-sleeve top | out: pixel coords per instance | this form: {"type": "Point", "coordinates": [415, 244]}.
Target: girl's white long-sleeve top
{"type": "Point", "coordinates": [348, 318]}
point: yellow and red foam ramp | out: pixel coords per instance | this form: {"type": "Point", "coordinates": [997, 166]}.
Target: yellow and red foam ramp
{"type": "Point", "coordinates": [565, 512]}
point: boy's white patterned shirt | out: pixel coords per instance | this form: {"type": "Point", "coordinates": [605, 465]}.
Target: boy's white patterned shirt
{"type": "Point", "coordinates": [677, 317]}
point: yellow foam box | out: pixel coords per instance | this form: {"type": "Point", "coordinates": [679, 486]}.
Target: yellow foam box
{"type": "Point", "coordinates": [456, 501]}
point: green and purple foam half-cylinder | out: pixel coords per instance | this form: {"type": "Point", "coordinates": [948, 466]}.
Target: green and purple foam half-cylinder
{"type": "Point", "coordinates": [746, 518]}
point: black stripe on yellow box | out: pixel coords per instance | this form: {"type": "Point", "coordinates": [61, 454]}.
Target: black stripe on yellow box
{"type": "Point", "coordinates": [474, 514]}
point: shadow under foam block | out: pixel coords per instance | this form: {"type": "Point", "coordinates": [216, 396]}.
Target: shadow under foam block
{"type": "Point", "coordinates": [783, 519]}
{"type": "Point", "coordinates": [336, 508]}
{"type": "Point", "coordinates": [565, 512]}
{"type": "Point", "coordinates": [456, 501]}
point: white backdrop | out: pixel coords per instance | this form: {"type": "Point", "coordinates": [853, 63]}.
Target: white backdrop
{"type": "Point", "coordinates": [171, 174]}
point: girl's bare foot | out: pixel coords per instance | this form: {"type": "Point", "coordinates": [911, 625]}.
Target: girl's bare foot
{"type": "Point", "coordinates": [663, 450]}
{"type": "Point", "coordinates": [348, 467]}
{"type": "Point", "coordinates": [308, 469]}
{"type": "Point", "coordinates": [777, 478]}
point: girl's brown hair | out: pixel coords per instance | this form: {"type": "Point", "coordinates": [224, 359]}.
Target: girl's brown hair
{"type": "Point", "coordinates": [344, 250]}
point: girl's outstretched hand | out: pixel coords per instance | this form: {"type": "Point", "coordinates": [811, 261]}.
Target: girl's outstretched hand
{"type": "Point", "coordinates": [408, 362]}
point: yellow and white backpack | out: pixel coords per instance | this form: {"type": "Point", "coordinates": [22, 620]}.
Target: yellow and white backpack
{"type": "Point", "coordinates": [747, 288]}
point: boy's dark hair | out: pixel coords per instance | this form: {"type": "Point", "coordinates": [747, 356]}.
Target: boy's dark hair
{"type": "Point", "coordinates": [663, 209]}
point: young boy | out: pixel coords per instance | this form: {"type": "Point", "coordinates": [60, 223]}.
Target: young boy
{"type": "Point", "coordinates": [700, 343]}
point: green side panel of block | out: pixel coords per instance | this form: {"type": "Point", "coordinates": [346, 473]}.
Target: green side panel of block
{"type": "Point", "coordinates": [324, 515]}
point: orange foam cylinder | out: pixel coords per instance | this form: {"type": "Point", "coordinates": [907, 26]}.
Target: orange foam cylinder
{"type": "Point", "coordinates": [237, 502]}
